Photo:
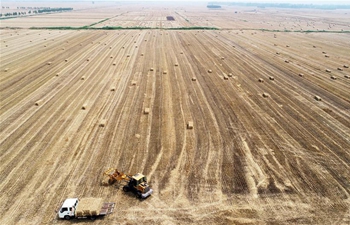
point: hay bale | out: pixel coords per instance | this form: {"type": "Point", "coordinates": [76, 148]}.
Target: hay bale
{"type": "Point", "coordinates": [225, 77]}
{"type": "Point", "coordinates": [328, 71]}
{"type": "Point", "coordinates": [39, 102]}
{"type": "Point", "coordinates": [82, 78]}
{"type": "Point", "coordinates": [84, 107]}
{"type": "Point", "coordinates": [146, 111]}
{"type": "Point", "coordinates": [314, 46]}
{"type": "Point", "coordinates": [333, 77]}
{"type": "Point", "coordinates": [327, 56]}
{"type": "Point", "coordinates": [114, 63]}
{"type": "Point", "coordinates": [111, 57]}
{"type": "Point", "coordinates": [103, 123]}
{"type": "Point", "coordinates": [261, 80]}
{"type": "Point", "coordinates": [181, 53]}
{"type": "Point", "coordinates": [324, 52]}
{"type": "Point", "coordinates": [287, 61]}
{"type": "Point", "coordinates": [127, 56]}
{"type": "Point", "coordinates": [165, 72]}
{"type": "Point", "coordinates": [49, 63]}
{"type": "Point", "coordinates": [210, 71]}
{"type": "Point", "coordinates": [346, 66]}
{"type": "Point", "coordinates": [57, 74]}
{"type": "Point", "coordinates": [230, 75]}
{"type": "Point", "coordinates": [265, 95]}
{"type": "Point", "coordinates": [142, 54]}
{"type": "Point", "coordinates": [89, 206]}
{"type": "Point", "coordinates": [277, 53]}
{"type": "Point", "coordinates": [194, 79]}
{"type": "Point", "coordinates": [318, 98]}
{"type": "Point", "coordinates": [113, 88]}
{"type": "Point", "coordinates": [346, 76]}
{"type": "Point", "coordinates": [340, 69]}
{"type": "Point", "coordinates": [190, 125]}
{"type": "Point", "coordinates": [133, 83]}
{"type": "Point", "coordinates": [271, 78]}
{"type": "Point", "coordinates": [222, 58]}
{"type": "Point", "coordinates": [66, 60]}
{"type": "Point", "coordinates": [287, 46]}
{"type": "Point", "coordinates": [88, 59]}
{"type": "Point", "coordinates": [151, 69]}
{"type": "Point", "coordinates": [6, 69]}
{"type": "Point", "coordinates": [301, 74]}
{"type": "Point", "coordinates": [176, 64]}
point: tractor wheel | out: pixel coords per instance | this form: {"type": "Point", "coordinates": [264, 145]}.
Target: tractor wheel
{"type": "Point", "coordinates": [93, 218]}
{"type": "Point", "coordinates": [139, 195]}
{"type": "Point", "coordinates": [126, 189]}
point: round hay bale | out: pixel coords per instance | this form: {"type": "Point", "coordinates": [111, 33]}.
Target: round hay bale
{"type": "Point", "coordinates": [146, 111]}
{"type": "Point", "coordinates": [286, 61]}
{"type": "Point", "coordinates": [103, 123]}
{"type": "Point", "coordinates": [66, 60]}
{"type": "Point", "coordinates": [142, 54]}
{"type": "Point", "coordinates": [271, 78]}
{"type": "Point", "coordinates": [165, 72]}
{"type": "Point", "coordinates": [318, 98]}
{"type": "Point", "coordinates": [346, 66]}
{"type": "Point", "coordinates": [114, 63]}
{"type": "Point", "coordinates": [127, 56]}
{"type": "Point", "coordinates": [327, 56]}
{"type": "Point", "coordinates": [88, 59]}
{"type": "Point", "coordinates": [210, 71]}
{"type": "Point", "coordinates": [133, 83]}
{"type": "Point", "coordinates": [324, 52]}
{"type": "Point", "coordinates": [225, 77]}
{"type": "Point", "coordinates": [230, 74]}
{"type": "Point", "coordinates": [301, 74]}
{"type": "Point", "coordinates": [49, 63]}
{"type": "Point", "coordinates": [57, 74]}
{"type": "Point", "coordinates": [151, 69]}
{"type": "Point", "coordinates": [340, 69]}
{"type": "Point", "coordinates": [84, 107]}
{"type": "Point", "coordinates": [222, 58]}
{"type": "Point", "coordinates": [347, 76]}
{"type": "Point", "coordinates": [328, 71]}
{"type": "Point", "coordinates": [112, 88]}
{"type": "Point", "coordinates": [6, 69]}
{"type": "Point", "coordinates": [194, 79]}
{"type": "Point", "coordinates": [261, 80]}
{"type": "Point", "coordinates": [111, 57]}
{"type": "Point", "coordinates": [333, 77]}
{"type": "Point", "coordinates": [176, 64]}
{"type": "Point", "coordinates": [190, 125]}
{"type": "Point", "coordinates": [82, 78]}
{"type": "Point", "coordinates": [265, 95]}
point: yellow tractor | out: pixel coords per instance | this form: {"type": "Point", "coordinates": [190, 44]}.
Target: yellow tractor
{"type": "Point", "coordinates": [135, 183]}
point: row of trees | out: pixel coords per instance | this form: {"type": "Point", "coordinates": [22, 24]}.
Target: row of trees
{"type": "Point", "coordinates": [41, 10]}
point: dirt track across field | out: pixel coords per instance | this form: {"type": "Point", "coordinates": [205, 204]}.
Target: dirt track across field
{"type": "Point", "coordinates": [262, 150]}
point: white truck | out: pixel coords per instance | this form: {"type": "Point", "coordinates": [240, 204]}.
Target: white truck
{"type": "Point", "coordinates": [90, 208]}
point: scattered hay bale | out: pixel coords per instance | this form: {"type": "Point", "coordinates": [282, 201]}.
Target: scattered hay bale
{"type": "Point", "coordinates": [314, 46]}
{"type": "Point", "coordinates": [49, 63]}
{"type": "Point", "coordinates": [265, 95]}
{"type": "Point", "coordinates": [103, 123]}
{"type": "Point", "coordinates": [222, 58]}
{"type": "Point", "coordinates": [6, 69]}
{"type": "Point", "coordinates": [194, 79]}
{"type": "Point", "coordinates": [333, 77]}
{"type": "Point", "coordinates": [165, 72]}
{"type": "Point", "coordinates": [301, 74]}
{"type": "Point", "coordinates": [274, 44]}
{"type": "Point", "coordinates": [57, 74]}
{"type": "Point", "coordinates": [84, 107]}
{"type": "Point", "coordinates": [127, 56]}
{"type": "Point", "coordinates": [176, 64]}
{"type": "Point", "coordinates": [287, 61]}
{"type": "Point", "coordinates": [133, 83]}
{"type": "Point", "coordinates": [339, 69]}
{"type": "Point", "coordinates": [261, 80]}
{"type": "Point", "coordinates": [210, 71]}
{"type": "Point", "coordinates": [324, 52]}
{"type": "Point", "coordinates": [190, 125]}
{"type": "Point", "coordinates": [136, 46]}
{"type": "Point", "coordinates": [114, 63]}
{"type": "Point", "coordinates": [230, 75]}
{"type": "Point", "coordinates": [39, 102]}
{"type": "Point", "coordinates": [146, 111]}
{"type": "Point", "coordinates": [346, 66]}
{"type": "Point", "coordinates": [277, 53]}
{"type": "Point", "coordinates": [88, 59]}
{"type": "Point", "coordinates": [328, 71]}
{"type": "Point", "coordinates": [271, 78]}
{"type": "Point", "coordinates": [225, 77]}
{"type": "Point", "coordinates": [181, 53]}
{"type": "Point", "coordinates": [66, 60]}
{"type": "Point", "coordinates": [318, 98]}
{"type": "Point", "coordinates": [142, 54]}
{"type": "Point", "coordinates": [113, 88]}
{"type": "Point", "coordinates": [287, 46]}
{"type": "Point", "coordinates": [347, 76]}
{"type": "Point", "coordinates": [111, 57]}
{"type": "Point", "coordinates": [82, 78]}
{"type": "Point", "coordinates": [151, 69]}
{"type": "Point", "coordinates": [327, 56]}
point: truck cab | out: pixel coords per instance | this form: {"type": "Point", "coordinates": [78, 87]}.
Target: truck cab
{"type": "Point", "coordinates": [68, 208]}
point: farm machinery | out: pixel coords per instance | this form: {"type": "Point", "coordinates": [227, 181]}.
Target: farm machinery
{"type": "Point", "coordinates": [135, 183]}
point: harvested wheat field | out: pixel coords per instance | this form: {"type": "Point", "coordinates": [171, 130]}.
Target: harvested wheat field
{"type": "Point", "coordinates": [235, 125]}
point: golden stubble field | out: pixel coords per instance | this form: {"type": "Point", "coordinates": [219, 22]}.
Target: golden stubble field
{"type": "Point", "coordinates": [260, 152]}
